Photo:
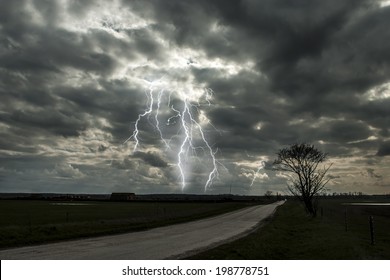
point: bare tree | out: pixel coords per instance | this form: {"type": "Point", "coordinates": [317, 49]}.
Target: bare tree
{"type": "Point", "coordinates": [307, 178]}
{"type": "Point", "coordinates": [268, 194]}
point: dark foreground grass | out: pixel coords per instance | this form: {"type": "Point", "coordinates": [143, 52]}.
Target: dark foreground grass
{"type": "Point", "coordinates": [292, 235]}
{"type": "Point", "coordinates": [35, 222]}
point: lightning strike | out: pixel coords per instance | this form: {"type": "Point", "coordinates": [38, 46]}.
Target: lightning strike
{"type": "Point", "coordinates": [257, 172]}
{"type": "Point", "coordinates": [147, 112]}
{"type": "Point", "coordinates": [190, 130]}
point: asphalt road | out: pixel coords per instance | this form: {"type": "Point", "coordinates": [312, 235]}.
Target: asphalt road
{"type": "Point", "coordinates": [169, 242]}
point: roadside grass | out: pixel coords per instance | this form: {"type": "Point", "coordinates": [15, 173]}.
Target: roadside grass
{"type": "Point", "coordinates": [35, 222]}
{"type": "Point", "coordinates": [293, 235]}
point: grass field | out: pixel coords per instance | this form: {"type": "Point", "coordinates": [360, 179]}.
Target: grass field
{"type": "Point", "coordinates": [291, 234]}
{"type": "Point", "coordinates": [33, 222]}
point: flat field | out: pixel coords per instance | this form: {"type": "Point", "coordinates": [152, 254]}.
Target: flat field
{"type": "Point", "coordinates": [24, 222]}
{"type": "Point", "coordinates": [340, 231]}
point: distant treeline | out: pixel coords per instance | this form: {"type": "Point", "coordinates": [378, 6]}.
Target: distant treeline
{"type": "Point", "coordinates": [135, 197]}
{"type": "Point", "coordinates": [54, 196]}
{"type": "Point", "coordinates": [172, 197]}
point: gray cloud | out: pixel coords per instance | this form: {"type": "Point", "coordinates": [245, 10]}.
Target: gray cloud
{"type": "Point", "coordinates": [123, 164]}
{"type": "Point", "coordinates": [73, 77]}
{"type": "Point", "coordinates": [372, 174]}
{"type": "Point", "coordinates": [384, 149]}
{"type": "Point", "coordinates": [151, 158]}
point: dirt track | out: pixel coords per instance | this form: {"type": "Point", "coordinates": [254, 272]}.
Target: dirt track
{"type": "Point", "coordinates": [168, 242]}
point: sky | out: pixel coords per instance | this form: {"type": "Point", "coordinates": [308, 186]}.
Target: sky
{"type": "Point", "coordinates": [256, 76]}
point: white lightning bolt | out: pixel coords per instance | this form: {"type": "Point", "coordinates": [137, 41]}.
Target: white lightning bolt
{"type": "Point", "coordinates": [261, 166]}
{"type": "Point", "coordinates": [189, 127]}
{"type": "Point", "coordinates": [147, 112]}
{"type": "Point", "coordinates": [114, 19]}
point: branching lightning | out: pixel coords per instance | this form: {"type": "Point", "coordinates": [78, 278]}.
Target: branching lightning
{"type": "Point", "coordinates": [255, 175]}
{"type": "Point", "coordinates": [190, 129]}
{"type": "Point", "coordinates": [147, 112]}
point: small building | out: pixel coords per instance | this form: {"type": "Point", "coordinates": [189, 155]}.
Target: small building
{"type": "Point", "coordinates": [122, 196]}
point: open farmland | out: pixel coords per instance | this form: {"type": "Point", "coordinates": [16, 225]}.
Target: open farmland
{"type": "Point", "coordinates": [340, 231]}
{"type": "Point", "coordinates": [168, 242]}
{"type": "Point", "coordinates": [32, 222]}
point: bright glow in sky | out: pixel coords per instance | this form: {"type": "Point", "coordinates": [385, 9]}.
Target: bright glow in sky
{"type": "Point", "coordinates": [74, 77]}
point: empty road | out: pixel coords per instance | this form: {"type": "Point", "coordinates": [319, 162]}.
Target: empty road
{"type": "Point", "coordinates": [167, 242]}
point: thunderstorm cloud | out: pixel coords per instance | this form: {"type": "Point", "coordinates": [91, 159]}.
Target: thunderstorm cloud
{"type": "Point", "coordinates": [74, 77]}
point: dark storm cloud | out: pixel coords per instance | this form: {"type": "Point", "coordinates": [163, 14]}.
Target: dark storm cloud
{"type": "Point", "coordinates": [319, 55]}
{"type": "Point", "coordinates": [344, 131]}
{"type": "Point", "coordinates": [151, 158]}
{"type": "Point", "coordinates": [376, 113]}
{"type": "Point", "coordinates": [236, 120]}
{"type": "Point", "coordinates": [47, 50]}
{"type": "Point", "coordinates": [145, 43]}
{"type": "Point", "coordinates": [305, 42]}
{"type": "Point", "coordinates": [56, 122]}
{"type": "Point", "coordinates": [299, 71]}
{"type": "Point", "coordinates": [125, 164]}
{"type": "Point", "coordinates": [384, 149]}
{"type": "Point", "coordinates": [190, 18]}
{"type": "Point", "coordinates": [29, 47]}
{"type": "Point", "coordinates": [306, 48]}
{"type": "Point", "coordinates": [112, 103]}
{"type": "Point", "coordinates": [325, 79]}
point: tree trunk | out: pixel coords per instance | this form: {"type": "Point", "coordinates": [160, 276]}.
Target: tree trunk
{"type": "Point", "coordinates": [309, 206]}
